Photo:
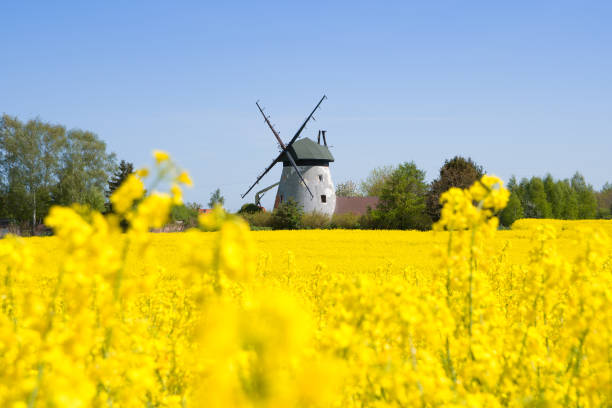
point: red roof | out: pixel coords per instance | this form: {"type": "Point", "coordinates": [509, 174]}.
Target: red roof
{"type": "Point", "coordinates": [355, 205]}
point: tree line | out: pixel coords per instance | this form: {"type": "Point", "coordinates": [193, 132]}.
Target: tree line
{"type": "Point", "coordinates": [43, 164]}
{"type": "Point", "coordinates": [406, 201]}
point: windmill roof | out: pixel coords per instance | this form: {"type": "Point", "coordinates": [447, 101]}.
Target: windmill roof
{"type": "Point", "coordinates": [306, 149]}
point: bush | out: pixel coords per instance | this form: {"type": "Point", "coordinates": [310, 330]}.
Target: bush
{"type": "Point", "coordinates": [187, 214]}
{"type": "Point", "coordinates": [258, 220]}
{"type": "Point", "coordinates": [287, 215]}
{"type": "Point", "coordinates": [346, 221]}
{"type": "Point", "coordinates": [315, 220]}
{"type": "Point", "coordinates": [249, 208]}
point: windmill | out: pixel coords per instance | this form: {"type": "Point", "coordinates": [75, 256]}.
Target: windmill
{"type": "Point", "coordinates": [305, 178]}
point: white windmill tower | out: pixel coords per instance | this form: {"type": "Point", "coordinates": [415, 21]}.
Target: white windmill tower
{"type": "Point", "coordinates": [305, 178]}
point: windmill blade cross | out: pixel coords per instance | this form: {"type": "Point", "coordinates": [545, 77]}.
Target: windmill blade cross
{"type": "Point", "coordinates": [285, 148]}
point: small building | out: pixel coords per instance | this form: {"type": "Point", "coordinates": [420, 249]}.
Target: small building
{"type": "Point", "coordinates": [355, 205]}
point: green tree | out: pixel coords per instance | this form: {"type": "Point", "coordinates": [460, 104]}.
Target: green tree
{"type": "Point", "coordinates": [288, 215]}
{"type": "Point", "coordinates": [536, 203]}
{"type": "Point", "coordinates": [553, 196]}
{"type": "Point", "coordinates": [456, 172]}
{"type": "Point", "coordinates": [512, 212]}
{"type": "Point", "coordinates": [402, 200]}
{"type": "Point", "coordinates": [84, 170]}
{"type": "Point", "coordinates": [347, 189]}
{"type": "Point", "coordinates": [118, 177]}
{"type": "Point", "coordinates": [31, 158]}
{"type": "Point", "coordinates": [569, 201]}
{"type": "Point", "coordinates": [186, 213]}
{"type": "Point", "coordinates": [372, 186]}
{"type": "Point", "coordinates": [604, 201]}
{"type": "Point", "coordinates": [587, 201]}
{"type": "Point", "coordinates": [216, 199]}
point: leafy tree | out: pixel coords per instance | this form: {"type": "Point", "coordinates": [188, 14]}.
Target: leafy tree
{"type": "Point", "coordinates": [288, 215]}
{"type": "Point", "coordinates": [539, 205]}
{"type": "Point", "coordinates": [512, 212]}
{"type": "Point", "coordinates": [84, 169]}
{"type": "Point", "coordinates": [553, 196]}
{"type": "Point", "coordinates": [402, 200]}
{"type": "Point", "coordinates": [569, 201]}
{"type": "Point", "coordinates": [372, 186]}
{"type": "Point", "coordinates": [587, 201]}
{"type": "Point", "coordinates": [186, 213]}
{"type": "Point", "coordinates": [456, 172]}
{"type": "Point", "coordinates": [216, 199]}
{"type": "Point", "coordinates": [31, 158]}
{"type": "Point", "coordinates": [347, 189]}
{"type": "Point", "coordinates": [604, 201]}
{"type": "Point", "coordinates": [119, 175]}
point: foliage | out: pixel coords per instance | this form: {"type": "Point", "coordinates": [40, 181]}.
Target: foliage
{"type": "Point", "coordinates": [186, 213]}
{"type": "Point", "coordinates": [373, 184]}
{"type": "Point", "coordinates": [604, 201]}
{"type": "Point", "coordinates": [346, 221]}
{"type": "Point", "coordinates": [456, 172]}
{"type": "Point", "coordinates": [512, 212]}
{"type": "Point", "coordinates": [216, 199]}
{"type": "Point", "coordinates": [347, 189]}
{"type": "Point", "coordinates": [258, 220]}
{"type": "Point", "coordinates": [288, 215]}
{"type": "Point", "coordinates": [315, 220]}
{"type": "Point", "coordinates": [564, 199]}
{"type": "Point", "coordinates": [118, 177]}
{"type": "Point", "coordinates": [43, 165]}
{"type": "Point", "coordinates": [84, 170]}
{"type": "Point", "coordinates": [249, 208]}
{"type": "Point", "coordinates": [402, 200]}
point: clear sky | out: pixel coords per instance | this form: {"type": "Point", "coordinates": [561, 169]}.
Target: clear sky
{"type": "Point", "coordinates": [523, 88]}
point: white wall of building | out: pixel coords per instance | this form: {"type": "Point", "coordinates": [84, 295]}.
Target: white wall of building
{"type": "Point", "coordinates": [320, 182]}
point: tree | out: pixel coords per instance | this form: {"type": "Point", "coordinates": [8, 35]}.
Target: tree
{"type": "Point", "coordinates": [373, 184]}
{"type": "Point", "coordinates": [553, 196]}
{"type": "Point", "coordinates": [587, 201]}
{"type": "Point", "coordinates": [604, 201]}
{"type": "Point", "coordinates": [539, 206]}
{"type": "Point", "coordinates": [402, 200]}
{"type": "Point", "coordinates": [347, 189]}
{"type": "Point", "coordinates": [569, 201]}
{"type": "Point", "coordinates": [31, 158]}
{"type": "Point", "coordinates": [216, 199]}
{"type": "Point", "coordinates": [288, 215]}
{"type": "Point", "coordinates": [119, 176]}
{"type": "Point", "coordinates": [456, 172]}
{"type": "Point", "coordinates": [512, 212]}
{"type": "Point", "coordinates": [84, 169]}
{"type": "Point", "coordinates": [186, 213]}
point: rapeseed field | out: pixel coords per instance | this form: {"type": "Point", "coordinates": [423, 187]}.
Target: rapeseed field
{"type": "Point", "coordinates": [464, 315]}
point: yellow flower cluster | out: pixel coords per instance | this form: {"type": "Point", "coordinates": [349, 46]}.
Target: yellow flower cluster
{"type": "Point", "coordinates": [229, 318]}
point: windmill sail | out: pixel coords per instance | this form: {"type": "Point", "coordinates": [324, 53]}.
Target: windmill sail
{"type": "Point", "coordinates": [285, 148]}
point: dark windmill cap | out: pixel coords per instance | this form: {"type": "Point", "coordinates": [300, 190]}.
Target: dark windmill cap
{"type": "Point", "coordinates": [309, 153]}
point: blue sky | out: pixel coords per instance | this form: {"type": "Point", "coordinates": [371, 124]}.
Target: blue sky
{"type": "Point", "coordinates": [523, 88]}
